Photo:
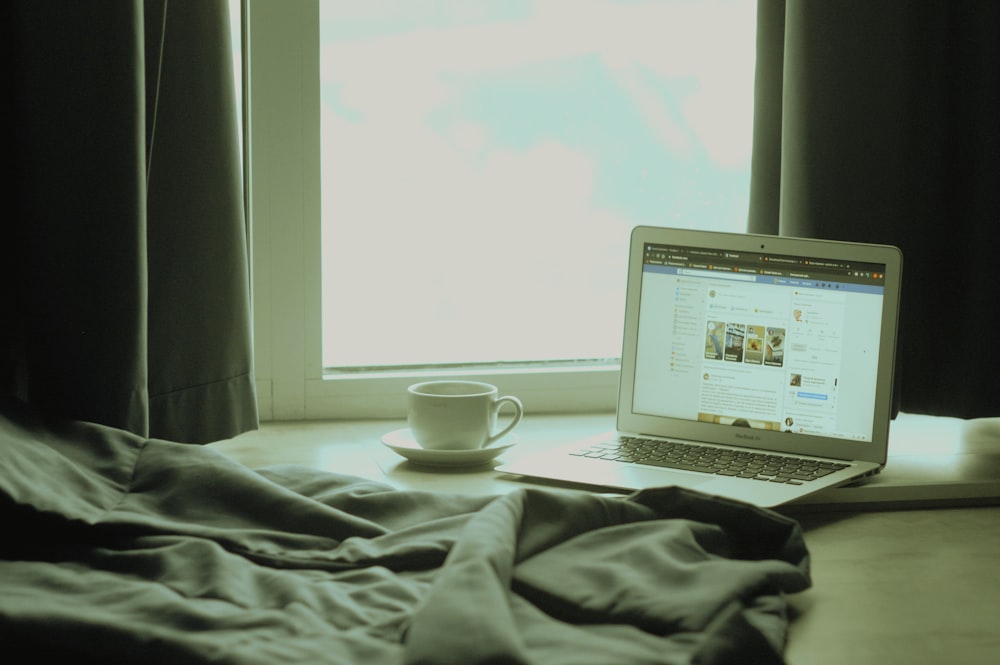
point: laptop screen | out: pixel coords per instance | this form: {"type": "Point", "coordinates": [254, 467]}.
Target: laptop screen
{"type": "Point", "coordinates": [768, 341]}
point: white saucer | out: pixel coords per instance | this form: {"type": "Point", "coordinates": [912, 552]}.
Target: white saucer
{"type": "Point", "coordinates": [401, 442]}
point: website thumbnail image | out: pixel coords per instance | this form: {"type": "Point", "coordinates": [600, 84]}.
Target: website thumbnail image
{"type": "Point", "coordinates": [745, 343]}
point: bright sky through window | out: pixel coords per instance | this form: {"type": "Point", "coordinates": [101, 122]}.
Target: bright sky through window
{"type": "Point", "coordinates": [484, 162]}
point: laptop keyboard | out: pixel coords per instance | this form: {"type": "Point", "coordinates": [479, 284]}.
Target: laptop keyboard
{"type": "Point", "coordinates": [706, 459]}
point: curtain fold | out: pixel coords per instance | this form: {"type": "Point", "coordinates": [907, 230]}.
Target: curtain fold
{"type": "Point", "coordinates": [128, 283]}
{"type": "Point", "coordinates": [880, 122]}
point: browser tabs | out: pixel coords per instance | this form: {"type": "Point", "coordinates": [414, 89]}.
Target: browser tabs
{"type": "Point", "coordinates": [814, 270]}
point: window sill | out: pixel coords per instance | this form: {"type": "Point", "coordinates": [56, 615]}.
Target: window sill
{"type": "Point", "coordinates": [590, 389]}
{"type": "Point", "coordinates": [933, 461]}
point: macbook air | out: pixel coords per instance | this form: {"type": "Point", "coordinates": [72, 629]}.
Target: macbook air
{"type": "Point", "coordinates": [753, 367]}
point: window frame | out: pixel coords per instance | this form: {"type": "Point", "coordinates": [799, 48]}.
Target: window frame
{"type": "Point", "coordinates": [282, 148]}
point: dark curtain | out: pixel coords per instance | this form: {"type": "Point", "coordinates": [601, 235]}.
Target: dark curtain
{"type": "Point", "coordinates": [124, 249]}
{"type": "Point", "coordinates": [880, 122]}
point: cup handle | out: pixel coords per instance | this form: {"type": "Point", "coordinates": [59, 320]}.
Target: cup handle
{"type": "Point", "coordinates": [518, 412]}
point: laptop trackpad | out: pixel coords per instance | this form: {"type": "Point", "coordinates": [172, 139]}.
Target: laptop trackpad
{"type": "Point", "coordinates": [645, 477]}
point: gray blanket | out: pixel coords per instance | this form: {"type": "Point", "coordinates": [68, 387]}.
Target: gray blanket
{"type": "Point", "coordinates": [122, 549]}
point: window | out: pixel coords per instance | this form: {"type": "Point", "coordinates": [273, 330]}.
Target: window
{"type": "Point", "coordinates": [461, 194]}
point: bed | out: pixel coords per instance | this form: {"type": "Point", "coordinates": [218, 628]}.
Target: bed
{"type": "Point", "coordinates": [118, 548]}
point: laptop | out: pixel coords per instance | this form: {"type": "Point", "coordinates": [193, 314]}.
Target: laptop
{"type": "Point", "coordinates": [758, 368]}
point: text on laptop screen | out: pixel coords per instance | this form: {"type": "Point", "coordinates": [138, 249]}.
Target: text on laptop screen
{"type": "Point", "coordinates": [768, 341]}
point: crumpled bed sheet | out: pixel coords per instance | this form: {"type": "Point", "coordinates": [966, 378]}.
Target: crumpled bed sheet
{"type": "Point", "coordinates": [124, 549]}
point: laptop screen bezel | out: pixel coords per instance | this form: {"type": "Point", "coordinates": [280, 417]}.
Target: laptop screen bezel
{"type": "Point", "coordinates": [874, 450]}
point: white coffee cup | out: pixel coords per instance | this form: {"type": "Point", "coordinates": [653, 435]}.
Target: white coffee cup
{"type": "Point", "coordinates": [457, 415]}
